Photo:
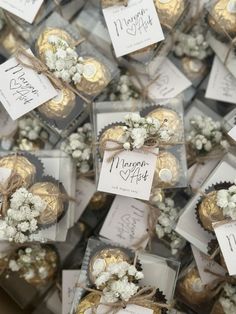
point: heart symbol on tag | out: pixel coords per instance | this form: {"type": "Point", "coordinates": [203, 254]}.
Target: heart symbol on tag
{"type": "Point", "coordinates": [125, 174]}
{"type": "Point", "coordinates": [131, 30]}
{"type": "Point", "coordinates": [14, 84]}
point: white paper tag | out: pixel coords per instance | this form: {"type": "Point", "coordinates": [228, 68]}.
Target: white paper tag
{"type": "Point", "coordinates": [84, 191]}
{"type": "Point", "coordinates": [133, 27]}
{"type": "Point", "coordinates": [170, 81]}
{"type": "Point", "coordinates": [126, 222]}
{"type": "Point", "coordinates": [130, 309]}
{"type": "Point", "coordinates": [7, 125]}
{"type": "Point", "coordinates": [221, 85]}
{"type": "Point", "coordinates": [232, 133]}
{"type": "Point", "coordinates": [23, 89]}
{"type": "Point", "coordinates": [69, 280]}
{"type": "Point", "coordinates": [25, 9]}
{"type": "Point", "coordinates": [204, 262]}
{"type": "Point", "coordinates": [130, 173]}
{"type": "Point", "coordinates": [226, 236]}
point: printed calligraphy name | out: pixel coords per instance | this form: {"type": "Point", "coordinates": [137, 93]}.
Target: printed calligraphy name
{"type": "Point", "coordinates": [139, 23]}
{"type": "Point", "coordinates": [133, 172]}
{"type": "Point", "coordinates": [20, 86]}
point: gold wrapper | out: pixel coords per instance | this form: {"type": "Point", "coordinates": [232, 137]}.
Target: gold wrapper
{"type": "Point", "coordinates": [192, 290]}
{"type": "Point", "coordinates": [50, 265]}
{"type": "Point", "coordinates": [49, 192]}
{"type": "Point", "coordinates": [95, 77]}
{"type": "Point", "coordinates": [171, 118]}
{"type": "Point", "coordinates": [98, 200]}
{"type": "Point", "coordinates": [42, 44]}
{"type": "Point", "coordinates": [113, 133]}
{"type": "Point", "coordinates": [167, 170]}
{"type": "Point", "coordinates": [93, 299]}
{"type": "Point", "coordinates": [110, 256]}
{"type": "Point", "coordinates": [221, 18]}
{"type": "Point", "coordinates": [22, 166]}
{"type": "Point", "coordinates": [193, 68]}
{"type": "Point", "coordinates": [169, 11]}
{"type": "Point", "coordinates": [60, 106]}
{"type": "Point", "coordinates": [209, 212]}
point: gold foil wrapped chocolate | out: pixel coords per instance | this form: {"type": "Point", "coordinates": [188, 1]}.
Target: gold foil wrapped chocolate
{"type": "Point", "coordinates": [208, 211]}
{"type": "Point", "coordinates": [50, 193]}
{"type": "Point", "coordinates": [167, 170]}
{"type": "Point", "coordinates": [222, 18]}
{"type": "Point", "coordinates": [42, 44]}
{"type": "Point", "coordinates": [114, 133]}
{"type": "Point", "coordinates": [95, 77]}
{"type": "Point", "coordinates": [110, 256]}
{"type": "Point", "coordinates": [22, 166]}
{"type": "Point", "coordinates": [192, 290]}
{"type": "Point", "coordinates": [193, 68]}
{"type": "Point", "coordinates": [171, 119]}
{"type": "Point", "coordinates": [98, 200]}
{"type": "Point", "coordinates": [60, 106]}
{"type": "Point", "coordinates": [169, 12]}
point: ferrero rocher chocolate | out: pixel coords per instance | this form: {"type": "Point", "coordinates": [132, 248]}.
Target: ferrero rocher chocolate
{"type": "Point", "coordinates": [171, 119]}
{"type": "Point", "coordinates": [93, 299]}
{"type": "Point", "coordinates": [115, 133]}
{"type": "Point", "coordinates": [209, 212]}
{"type": "Point", "coordinates": [222, 18]}
{"type": "Point", "coordinates": [193, 68]}
{"type": "Point", "coordinates": [50, 193]}
{"type": "Point", "coordinates": [167, 170]}
{"type": "Point", "coordinates": [60, 106]}
{"type": "Point", "coordinates": [169, 11]}
{"type": "Point", "coordinates": [98, 200]}
{"type": "Point", "coordinates": [42, 44]}
{"type": "Point", "coordinates": [191, 288]}
{"type": "Point", "coordinates": [110, 256]}
{"type": "Point", "coordinates": [95, 77]}
{"type": "Point", "coordinates": [22, 166]}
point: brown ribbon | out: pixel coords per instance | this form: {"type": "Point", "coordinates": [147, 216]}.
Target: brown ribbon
{"type": "Point", "coordinates": [38, 66]}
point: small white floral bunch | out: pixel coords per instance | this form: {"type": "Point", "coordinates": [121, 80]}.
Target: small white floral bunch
{"type": "Point", "coordinates": [166, 220]}
{"type": "Point", "coordinates": [78, 145]}
{"type": "Point", "coordinates": [31, 129]}
{"type": "Point", "coordinates": [116, 280]}
{"type": "Point", "coordinates": [139, 130]}
{"type": "Point", "coordinates": [122, 90]}
{"type": "Point", "coordinates": [193, 44]}
{"type": "Point", "coordinates": [226, 199]}
{"type": "Point", "coordinates": [228, 300]}
{"type": "Point", "coordinates": [31, 262]}
{"type": "Point", "coordinates": [205, 134]}
{"type": "Point", "coordinates": [64, 61]}
{"type": "Point", "coordinates": [20, 222]}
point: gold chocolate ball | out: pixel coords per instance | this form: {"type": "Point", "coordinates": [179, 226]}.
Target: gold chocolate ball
{"type": "Point", "coordinates": [42, 44]}
{"type": "Point", "coordinates": [209, 212]}
{"type": "Point", "coordinates": [110, 256]}
{"type": "Point", "coordinates": [223, 18]}
{"type": "Point", "coordinates": [113, 133]}
{"type": "Point", "coordinates": [98, 200]}
{"type": "Point", "coordinates": [22, 166]}
{"type": "Point", "coordinates": [193, 68]}
{"type": "Point", "coordinates": [191, 288]}
{"type": "Point", "coordinates": [169, 11]}
{"type": "Point", "coordinates": [49, 192]}
{"type": "Point", "coordinates": [172, 120]}
{"type": "Point", "coordinates": [95, 77]}
{"type": "Point", "coordinates": [167, 171]}
{"type": "Point", "coordinates": [60, 106]}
